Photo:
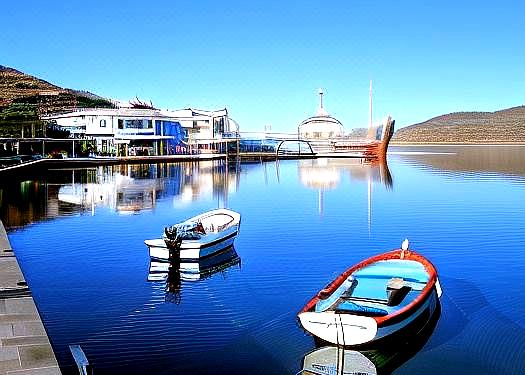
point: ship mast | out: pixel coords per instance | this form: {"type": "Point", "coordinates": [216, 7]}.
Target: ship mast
{"type": "Point", "coordinates": [370, 106]}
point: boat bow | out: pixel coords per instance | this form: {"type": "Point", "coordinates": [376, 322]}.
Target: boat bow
{"type": "Point", "coordinates": [340, 329]}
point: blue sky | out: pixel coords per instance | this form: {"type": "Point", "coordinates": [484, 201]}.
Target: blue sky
{"type": "Point", "coordinates": [266, 60]}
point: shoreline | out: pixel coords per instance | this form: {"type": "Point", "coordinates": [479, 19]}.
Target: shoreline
{"type": "Point", "coordinates": [45, 164]}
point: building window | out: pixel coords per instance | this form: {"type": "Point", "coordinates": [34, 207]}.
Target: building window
{"type": "Point", "coordinates": [102, 123]}
{"type": "Point", "coordinates": [138, 124]}
{"type": "Point", "coordinates": [218, 125]}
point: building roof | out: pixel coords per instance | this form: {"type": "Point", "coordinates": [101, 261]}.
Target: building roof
{"type": "Point", "coordinates": [322, 121]}
{"type": "Point", "coordinates": [187, 113]}
{"type": "Point", "coordinates": [315, 120]}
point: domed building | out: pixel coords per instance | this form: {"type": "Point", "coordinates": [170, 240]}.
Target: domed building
{"type": "Point", "coordinates": [322, 125]}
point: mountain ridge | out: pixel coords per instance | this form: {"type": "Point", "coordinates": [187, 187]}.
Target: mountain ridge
{"type": "Point", "coordinates": [23, 96]}
{"type": "Point", "coordinates": [501, 126]}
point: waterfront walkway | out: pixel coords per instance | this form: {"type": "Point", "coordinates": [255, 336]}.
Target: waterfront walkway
{"type": "Point", "coordinates": [24, 346]}
{"type": "Point", "coordinates": [40, 165]}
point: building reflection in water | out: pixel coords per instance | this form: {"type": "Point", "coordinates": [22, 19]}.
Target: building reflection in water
{"type": "Point", "coordinates": [131, 188]}
{"type": "Point", "coordinates": [326, 173]}
{"type": "Point", "coordinates": [123, 188]}
{"type": "Point", "coordinates": [173, 273]}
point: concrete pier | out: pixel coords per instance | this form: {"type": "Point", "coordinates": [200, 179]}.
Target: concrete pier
{"type": "Point", "coordinates": [24, 346]}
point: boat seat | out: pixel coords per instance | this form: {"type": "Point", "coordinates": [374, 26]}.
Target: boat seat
{"type": "Point", "coordinates": [396, 290]}
{"type": "Point", "coordinates": [352, 307]}
{"type": "Point", "coordinates": [190, 235]}
{"type": "Point", "coordinates": [327, 298]}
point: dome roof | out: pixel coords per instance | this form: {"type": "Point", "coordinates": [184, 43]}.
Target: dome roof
{"type": "Point", "coordinates": [322, 125]}
{"type": "Point", "coordinates": [320, 120]}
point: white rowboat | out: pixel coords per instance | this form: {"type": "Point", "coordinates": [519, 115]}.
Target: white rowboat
{"type": "Point", "coordinates": [374, 299]}
{"type": "Point", "coordinates": [199, 236]}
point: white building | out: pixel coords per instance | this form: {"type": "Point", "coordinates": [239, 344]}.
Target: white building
{"type": "Point", "coordinates": [146, 131]}
{"type": "Point", "coordinates": [322, 125]}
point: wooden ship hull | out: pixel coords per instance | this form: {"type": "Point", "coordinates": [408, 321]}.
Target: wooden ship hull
{"type": "Point", "coordinates": [374, 146]}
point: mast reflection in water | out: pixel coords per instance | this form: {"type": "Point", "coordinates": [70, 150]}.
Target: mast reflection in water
{"type": "Point", "coordinates": [326, 173]}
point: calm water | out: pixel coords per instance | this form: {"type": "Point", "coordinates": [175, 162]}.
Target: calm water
{"type": "Point", "coordinates": [79, 238]}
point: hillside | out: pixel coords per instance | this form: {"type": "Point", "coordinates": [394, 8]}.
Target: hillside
{"type": "Point", "coordinates": [503, 126]}
{"type": "Point", "coordinates": [24, 97]}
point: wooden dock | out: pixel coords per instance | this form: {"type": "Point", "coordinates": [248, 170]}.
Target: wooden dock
{"type": "Point", "coordinates": [24, 346]}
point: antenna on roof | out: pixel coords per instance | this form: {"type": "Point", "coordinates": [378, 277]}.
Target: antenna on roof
{"type": "Point", "coordinates": [321, 111]}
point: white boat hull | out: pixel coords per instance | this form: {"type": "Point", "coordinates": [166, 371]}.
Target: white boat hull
{"type": "Point", "coordinates": [429, 305]}
{"type": "Point", "coordinates": [375, 299]}
{"type": "Point", "coordinates": [193, 249]}
{"type": "Point", "coordinates": [350, 329]}
{"type": "Point", "coordinates": [339, 329]}
{"type": "Point", "coordinates": [218, 229]}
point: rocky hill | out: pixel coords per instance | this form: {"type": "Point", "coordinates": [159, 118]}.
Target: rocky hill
{"type": "Point", "coordinates": [24, 97]}
{"type": "Point", "coordinates": [505, 126]}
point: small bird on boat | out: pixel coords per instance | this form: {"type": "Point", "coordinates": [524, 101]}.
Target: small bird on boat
{"type": "Point", "coordinates": [404, 247]}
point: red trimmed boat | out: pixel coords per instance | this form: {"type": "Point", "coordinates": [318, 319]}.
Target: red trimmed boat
{"type": "Point", "coordinates": [374, 299]}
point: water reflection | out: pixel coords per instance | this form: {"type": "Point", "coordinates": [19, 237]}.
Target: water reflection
{"type": "Point", "coordinates": [122, 188]}
{"type": "Point", "coordinates": [464, 160]}
{"type": "Point", "coordinates": [131, 188]}
{"type": "Point", "coordinates": [332, 360]}
{"type": "Point", "coordinates": [326, 173]}
{"type": "Point", "coordinates": [380, 359]}
{"type": "Point", "coordinates": [173, 273]}
{"type": "Point", "coordinates": [245, 323]}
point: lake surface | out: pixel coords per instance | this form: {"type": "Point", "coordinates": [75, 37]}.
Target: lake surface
{"type": "Point", "coordinates": [79, 237]}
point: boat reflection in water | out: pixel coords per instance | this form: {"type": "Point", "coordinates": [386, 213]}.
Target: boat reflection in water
{"type": "Point", "coordinates": [380, 359]}
{"type": "Point", "coordinates": [325, 174]}
{"type": "Point", "coordinates": [174, 272]}
{"type": "Point", "coordinates": [332, 360]}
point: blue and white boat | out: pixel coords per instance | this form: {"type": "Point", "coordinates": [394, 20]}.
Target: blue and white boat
{"type": "Point", "coordinates": [374, 299]}
{"type": "Point", "coordinates": [197, 237]}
